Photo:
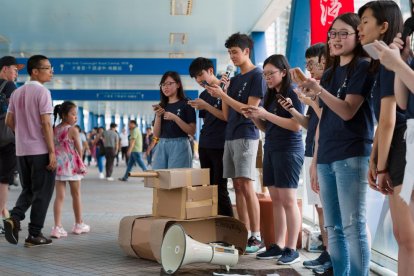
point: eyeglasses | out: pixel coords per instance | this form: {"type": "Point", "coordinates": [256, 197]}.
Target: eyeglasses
{"type": "Point", "coordinates": [167, 83]}
{"type": "Point", "coordinates": [309, 65]}
{"type": "Point", "coordinates": [267, 75]}
{"type": "Point", "coordinates": [45, 68]}
{"type": "Point", "coordinates": [341, 34]}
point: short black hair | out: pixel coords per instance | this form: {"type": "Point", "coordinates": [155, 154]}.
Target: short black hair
{"type": "Point", "coordinates": [315, 50]}
{"type": "Point", "coordinates": [199, 64]}
{"type": "Point", "coordinates": [133, 122]}
{"type": "Point", "coordinates": [242, 41]}
{"type": "Point", "coordinates": [34, 62]}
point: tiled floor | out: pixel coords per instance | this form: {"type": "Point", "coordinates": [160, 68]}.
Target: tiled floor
{"type": "Point", "coordinates": [98, 253]}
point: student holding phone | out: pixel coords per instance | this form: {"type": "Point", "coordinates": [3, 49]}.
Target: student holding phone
{"type": "Point", "coordinates": [282, 157]}
{"type": "Point", "coordinates": [342, 147]}
{"type": "Point", "coordinates": [174, 121]}
{"type": "Point", "coordinates": [382, 20]}
{"type": "Point", "coordinates": [211, 142]}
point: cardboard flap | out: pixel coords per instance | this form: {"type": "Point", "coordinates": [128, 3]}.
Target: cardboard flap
{"type": "Point", "coordinates": [158, 228]}
{"type": "Point", "coordinates": [126, 226]}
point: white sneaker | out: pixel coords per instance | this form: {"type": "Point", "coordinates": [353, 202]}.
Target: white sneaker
{"type": "Point", "coordinates": [80, 228]}
{"type": "Point", "coordinates": [101, 176]}
{"type": "Point", "coordinates": [110, 178]}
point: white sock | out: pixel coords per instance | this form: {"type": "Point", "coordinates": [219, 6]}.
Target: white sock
{"type": "Point", "coordinates": [257, 235]}
{"type": "Point", "coordinates": [249, 234]}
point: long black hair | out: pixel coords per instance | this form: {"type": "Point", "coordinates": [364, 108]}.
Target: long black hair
{"type": "Point", "coordinates": [62, 110]}
{"type": "Point", "coordinates": [384, 11]}
{"type": "Point", "coordinates": [180, 91]}
{"type": "Point", "coordinates": [352, 20]}
{"type": "Point", "coordinates": [281, 63]}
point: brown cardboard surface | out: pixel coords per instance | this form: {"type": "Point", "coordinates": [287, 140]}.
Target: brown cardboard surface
{"type": "Point", "coordinates": [144, 237]}
{"type": "Point", "coordinates": [177, 178]}
{"type": "Point", "coordinates": [185, 203]}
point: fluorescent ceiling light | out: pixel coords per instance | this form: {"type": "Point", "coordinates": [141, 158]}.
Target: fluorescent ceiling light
{"type": "Point", "coordinates": [181, 7]}
{"type": "Point", "coordinates": [176, 55]}
{"type": "Point", "coordinates": [178, 38]}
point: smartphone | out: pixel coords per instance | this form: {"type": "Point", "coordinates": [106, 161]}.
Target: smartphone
{"type": "Point", "coordinates": [371, 51]}
{"type": "Point", "coordinates": [156, 106]}
{"type": "Point", "coordinates": [299, 73]}
{"type": "Point", "coordinates": [280, 97]}
{"type": "Point", "coordinates": [204, 83]}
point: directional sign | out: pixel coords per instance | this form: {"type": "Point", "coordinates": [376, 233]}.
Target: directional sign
{"type": "Point", "coordinates": [112, 95]}
{"type": "Point", "coordinates": [117, 66]}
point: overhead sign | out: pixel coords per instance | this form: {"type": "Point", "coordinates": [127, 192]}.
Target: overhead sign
{"type": "Point", "coordinates": [112, 95]}
{"type": "Point", "coordinates": [117, 66]}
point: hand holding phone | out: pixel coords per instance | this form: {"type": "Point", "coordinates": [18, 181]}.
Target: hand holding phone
{"type": "Point", "coordinates": [205, 83]}
{"type": "Point", "coordinates": [371, 50]}
{"type": "Point", "coordinates": [298, 75]}
{"type": "Point", "coordinates": [284, 101]}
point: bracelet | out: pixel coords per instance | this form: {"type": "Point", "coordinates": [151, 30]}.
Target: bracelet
{"type": "Point", "coordinates": [155, 139]}
{"type": "Point", "coordinates": [382, 171]}
{"type": "Point", "coordinates": [320, 91]}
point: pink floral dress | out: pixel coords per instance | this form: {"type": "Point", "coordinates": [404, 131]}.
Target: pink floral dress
{"type": "Point", "coordinates": [69, 162]}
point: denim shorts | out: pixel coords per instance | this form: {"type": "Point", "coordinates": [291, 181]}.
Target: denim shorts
{"type": "Point", "coordinates": [282, 169]}
{"type": "Point", "coordinates": [172, 153]}
{"type": "Point", "coordinates": [239, 158]}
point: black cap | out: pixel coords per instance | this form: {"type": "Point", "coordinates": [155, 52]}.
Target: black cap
{"type": "Point", "coordinates": [9, 60]}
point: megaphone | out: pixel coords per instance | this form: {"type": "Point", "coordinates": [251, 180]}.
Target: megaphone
{"type": "Point", "coordinates": [179, 249]}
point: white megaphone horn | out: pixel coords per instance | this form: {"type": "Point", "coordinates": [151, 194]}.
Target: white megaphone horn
{"type": "Point", "coordinates": [179, 249]}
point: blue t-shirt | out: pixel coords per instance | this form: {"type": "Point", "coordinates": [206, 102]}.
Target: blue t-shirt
{"type": "Point", "coordinates": [311, 131]}
{"type": "Point", "coordinates": [339, 139]}
{"type": "Point", "coordinates": [169, 129]}
{"type": "Point", "coordinates": [383, 87]}
{"type": "Point", "coordinates": [241, 88]}
{"type": "Point", "coordinates": [213, 130]}
{"type": "Point", "coordinates": [282, 139]}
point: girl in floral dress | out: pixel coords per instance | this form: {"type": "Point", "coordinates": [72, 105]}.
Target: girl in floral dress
{"type": "Point", "coordinates": [70, 168]}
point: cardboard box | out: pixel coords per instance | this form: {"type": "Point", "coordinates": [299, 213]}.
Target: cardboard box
{"type": "Point", "coordinates": [185, 203]}
{"type": "Point", "coordinates": [141, 236]}
{"type": "Point", "coordinates": [174, 178]}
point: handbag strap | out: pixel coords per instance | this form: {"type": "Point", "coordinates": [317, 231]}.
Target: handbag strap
{"type": "Point", "coordinates": [2, 86]}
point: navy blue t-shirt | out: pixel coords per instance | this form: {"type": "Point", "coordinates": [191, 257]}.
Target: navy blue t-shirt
{"type": "Point", "coordinates": [311, 131]}
{"type": "Point", "coordinates": [8, 89]}
{"type": "Point", "coordinates": [241, 88]}
{"type": "Point", "coordinates": [339, 139]}
{"type": "Point", "coordinates": [282, 139]}
{"type": "Point", "coordinates": [383, 87]}
{"type": "Point", "coordinates": [169, 129]}
{"type": "Point", "coordinates": [213, 130]}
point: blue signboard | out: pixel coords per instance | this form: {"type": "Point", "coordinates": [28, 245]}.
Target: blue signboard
{"type": "Point", "coordinates": [112, 95]}
{"type": "Point", "coordinates": [117, 66]}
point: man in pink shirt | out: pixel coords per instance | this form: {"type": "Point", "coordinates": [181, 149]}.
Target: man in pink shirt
{"type": "Point", "coordinates": [29, 115]}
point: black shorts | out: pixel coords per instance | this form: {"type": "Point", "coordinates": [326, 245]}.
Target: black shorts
{"type": "Point", "coordinates": [396, 157]}
{"type": "Point", "coordinates": [8, 163]}
{"type": "Point", "coordinates": [282, 169]}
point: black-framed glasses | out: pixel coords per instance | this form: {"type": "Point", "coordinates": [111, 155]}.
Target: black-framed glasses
{"type": "Point", "coordinates": [167, 84]}
{"type": "Point", "coordinates": [341, 34]}
{"type": "Point", "coordinates": [45, 68]}
{"type": "Point", "coordinates": [269, 74]}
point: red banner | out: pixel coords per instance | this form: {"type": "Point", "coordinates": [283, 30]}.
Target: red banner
{"type": "Point", "coordinates": [323, 12]}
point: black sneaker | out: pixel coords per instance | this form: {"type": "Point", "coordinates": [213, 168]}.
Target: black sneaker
{"type": "Point", "coordinates": [1, 230]}
{"type": "Point", "coordinates": [289, 256]}
{"type": "Point", "coordinates": [254, 246]}
{"type": "Point", "coordinates": [122, 179]}
{"type": "Point", "coordinates": [274, 252]}
{"type": "Point", "coordinates": [323, 258]}
{"type": "Point", "coordinates": [325, 269]}
{"type": "Point", "coordinates": [32, 241]}
{"type": "Point", "coordinates": [11, 230]}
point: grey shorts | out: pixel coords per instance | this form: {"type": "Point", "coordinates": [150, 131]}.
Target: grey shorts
{"type": "Point", "coordinates": [239, 159]}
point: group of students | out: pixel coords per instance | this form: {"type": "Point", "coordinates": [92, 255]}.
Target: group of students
{"type": "Point", "coordinates": [344, 154]}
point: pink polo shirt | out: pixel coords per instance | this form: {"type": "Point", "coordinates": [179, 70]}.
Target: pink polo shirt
{"type": "Point", "coordinates": [27, 103]}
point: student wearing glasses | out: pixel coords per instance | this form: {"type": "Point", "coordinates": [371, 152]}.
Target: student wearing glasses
{"type": "Point", "coordinates": [343, 145]}
{"type": "Point", "coordinates": [175, 120]}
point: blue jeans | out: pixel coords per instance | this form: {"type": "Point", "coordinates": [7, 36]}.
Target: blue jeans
{"type": "Point", "coordinates": [172, 153]}
{"type": "Point", "coordinates": [343, 186]}
{"type": "Point", "coordinates": [135, 158]}
{"type": "Point", "coordinates": [99, 160]}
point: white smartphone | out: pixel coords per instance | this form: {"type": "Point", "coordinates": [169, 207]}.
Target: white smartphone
{"type": "Point", "coordinates": [371, 51]}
